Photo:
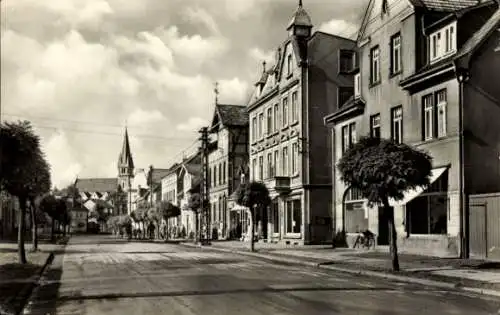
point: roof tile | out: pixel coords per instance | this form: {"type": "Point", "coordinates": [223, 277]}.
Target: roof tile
{"type": "Point", "coordinates": [233, 115]}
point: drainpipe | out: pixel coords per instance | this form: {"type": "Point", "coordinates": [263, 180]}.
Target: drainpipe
{"type": "Point", "coordinates": [462, 77]}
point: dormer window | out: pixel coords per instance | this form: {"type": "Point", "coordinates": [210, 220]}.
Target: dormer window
{"type": "Point", "coordinates": [289, 64]}
{"type": "Point", "coordinates": [346, 61]}
{"type": "Point", "coordinates": [443, 42]}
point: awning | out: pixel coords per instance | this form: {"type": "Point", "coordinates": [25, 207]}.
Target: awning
{"type": "Point", "coordinates": [413, 193]}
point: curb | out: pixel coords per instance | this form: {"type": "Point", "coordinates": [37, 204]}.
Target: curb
{"type": "Point", "coordinates": [369, 273]}
{"type": "Point", "coordinates": [26, 291]}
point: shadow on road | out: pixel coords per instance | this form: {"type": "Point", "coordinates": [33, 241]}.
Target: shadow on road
{"type": "Point", "coordinates": [112, 296]}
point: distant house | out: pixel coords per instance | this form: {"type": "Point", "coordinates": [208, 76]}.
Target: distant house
{"type": "Point", "coordinates": [95, 190]}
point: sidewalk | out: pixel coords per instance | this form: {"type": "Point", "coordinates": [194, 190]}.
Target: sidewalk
{"type": "Point", "coordinates": [17, 280]}
{"type": "Point", "coordinates": [477, 276]}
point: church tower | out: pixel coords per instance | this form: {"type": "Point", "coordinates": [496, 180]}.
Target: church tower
{"type": "Point", "coordinates": [125, 165]}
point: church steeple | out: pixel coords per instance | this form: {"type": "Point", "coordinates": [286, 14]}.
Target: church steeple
{"type": "Point", "coordinates": [125, 163]}
{"type": "Point", "coordinates": [300, 25]}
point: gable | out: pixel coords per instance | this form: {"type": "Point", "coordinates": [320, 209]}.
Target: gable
{"type": "Point", "coordinates": [379, 12]}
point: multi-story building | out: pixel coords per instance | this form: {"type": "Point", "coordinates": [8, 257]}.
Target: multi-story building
{"type": "Point", "coordinates": [421, 64]}
{"type": "Point", "coordinates": [289, 151]}
{"type": "Point", "coordinates": [169, 190]}
{"type": "Point", "coordinates": [228, 152]}
{"type": "Point", "coordinates": [189, 180]}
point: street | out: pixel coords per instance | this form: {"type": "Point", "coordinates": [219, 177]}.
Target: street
{"type": "Point", "coordinates": [102, 275]}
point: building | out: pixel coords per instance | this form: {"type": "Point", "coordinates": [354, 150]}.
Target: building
{"type": "Point", "coordinates": [421, 63]}
{"type": "Point", "coordinates": [189, 181]}
{"type": "Point", "coordinates": [289, 151]}
{"type": "Point", "coordinates": [229, 151]}
{"type": "Point", "coordinates": [170, 189]}
{"type": "Point", "coordinates": [95, 191]}
{"type": "Point", "coordinates": [79, 217]}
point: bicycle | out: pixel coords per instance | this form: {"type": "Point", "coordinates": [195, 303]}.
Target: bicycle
{"type": "Point", "coordinates": [365, 239]}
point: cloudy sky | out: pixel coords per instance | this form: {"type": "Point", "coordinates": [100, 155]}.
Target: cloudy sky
{"type": "Point", "coordinates": [82, 69]}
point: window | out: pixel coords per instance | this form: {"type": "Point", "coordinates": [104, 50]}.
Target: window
{"type": "Point", "coordinates": [275, 215]}
{"type": "Point", "coordinates": [269, 120]}
{"type": "Point", "coordinates": [285, 161]}
{"type": "Point", "coordinates": [293, 216]}
{"type": "Point", "coordinates": [355, 220]}
{"type": "Point", "coordinates": [348, 136]}
{"type": "Point", "coordinates": [215, 175]}
{"type": "Point", "coordinates": [254, 168]}
{"type": "Point", "coordinates": [289, 64]}
{"type": "Point", "coordinates": [397, 124]}
{"type": "Point", "coordinates": [254, 129]}
{"type": "Point", "coordinates": [285, 112]}
{"type": "Point", "coordinates": [375, 65]}
{"type": "Point", "coordinates": [345, 61]}
{"type": "Point", "coordinates": [375, 126]}
{"type": "Point", "coordinates": [443, 42]}
{"type": "Point", "coordinates": [261, 123]}
{"type": "Point", "coordinates": [276, 117]}
{"type": "Point", "coordinates": [295, 158]}
{"type": "Point", "coordinates": [270, 168]}
{"type": "Point", "coordinates": [434, 115]}
{"type": "Point", "coordinates": [295, 107]}
{"type": "Point", "coordinates": [224, 179]}
{"type": "Point", "coordinates": [344, 93]}
{"type": "Point", "coordinates": [261, 167]}
{"type": "Point", "coordinates": [396, 53]}
{"type": "Point", "coordinates": [276, 162]}
{"type": "Point", "coordinates": [220, 174]}
{"type": "Point", "coordinates": [427, 214]}
{"type": "Point", "coordinates": [428, 106]}
{"type": "Point", "coordinates": [441, 113]}
{"type": "Point", "coordinates": [357, 85]}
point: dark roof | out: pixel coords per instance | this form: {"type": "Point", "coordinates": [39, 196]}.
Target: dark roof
{"type": "Point", "coordinates": [300, 18]}
{"type": "Point", "coordinates": [445, 5]}
{"type": "Point", "coordinates": [194, 169]}
{"type": "Point", "coordinates": [159, 173]}
{"type": "Point", "coordinates": [232, 115]}
{"type": "Point", "coordinates": [484, 32]}
{"type": "Point", "coordinates": [96, 184]}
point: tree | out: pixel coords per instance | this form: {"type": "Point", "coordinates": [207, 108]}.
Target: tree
{"type": "Point", "coordinates": [167, 210]}
{"type": "Point", "coordinates": [194, 203]}
{"type": "Point", "coordinates": [382, 169]}
{"type": "Point", "coordinates": [25, 172]}
{"type": "Point", "coordinates": [41, 185]}
{"type": "Point", "coordinates": [119, 200]}
{"type": "Point", "coordinates": [48, 204]}
{"type": "Point", "coordinates": [253, 195]}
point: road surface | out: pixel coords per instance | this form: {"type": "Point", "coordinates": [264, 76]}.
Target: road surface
{"type": "Point", "coordinates": [101, 275]}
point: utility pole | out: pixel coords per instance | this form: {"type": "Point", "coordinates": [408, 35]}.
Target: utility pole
{"type": "Point", "coordinates": [204, 193]}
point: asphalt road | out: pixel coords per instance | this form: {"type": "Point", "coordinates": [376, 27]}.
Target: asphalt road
{"type": "Point", "coordinates": [100, 275]}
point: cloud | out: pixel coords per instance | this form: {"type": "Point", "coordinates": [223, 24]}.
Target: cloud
{"type": "Point", "coordinates": [59, 152]}
{"type": "Point", "coordinates": [193, 123]}
{"type": "Point", "coordinates": [199, 15]}
{"type": "Point", "coordinates": [340, 27]}
{"type": "Point", "coordinates": [85, 67]}
{"type": "Point", "coordinates": [260, 55]}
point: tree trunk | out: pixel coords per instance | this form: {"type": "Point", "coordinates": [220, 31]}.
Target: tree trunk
{"type": "Point", "coordinates": [52, 230]}
{"type": "Point", "coordinates": [252, 242]}
{"type": "Point", "coordinates": [389, 212]}
{"type": "Point", "coordinates": [34, 226]}
{"type": "Point", "coordinates": [20, 230]}
{"type": "Point", "coordinates": [197, 227]}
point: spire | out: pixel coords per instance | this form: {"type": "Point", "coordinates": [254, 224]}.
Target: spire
{"type": "Point", "coordinates": [125, 159]}
{"type": "Point", "coordinates": [263, 66]}
{"type": "Point", "coordinates": [300, 18]}
{"type": "Point", "coordinates": [216, 91]}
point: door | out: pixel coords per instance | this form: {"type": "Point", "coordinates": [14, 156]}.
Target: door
{"type": "Point", "coordinates": [478, 242]}
{"type": "Point", "coordinates": [383, 227]}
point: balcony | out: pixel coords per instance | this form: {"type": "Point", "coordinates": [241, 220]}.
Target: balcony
{"type": "Point", "coordinates": [281, 184]}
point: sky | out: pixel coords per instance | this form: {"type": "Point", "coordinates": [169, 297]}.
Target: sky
{"type": "Point", "coordinates": [80, 70]}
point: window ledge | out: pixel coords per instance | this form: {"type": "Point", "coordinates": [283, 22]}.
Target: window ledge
{"type": "Point", "coordinates": [284, 128]}
{"type": "Point", "coordinates": [296, 122]}
{"type": "Point", "coordinates": [293, 235]}
{"type": "Point", "coordinates": [289, 76]}
{"type": "Point", "coordinates": [395, 74]}
{"type": "Point", "coordinates": [374, 84]}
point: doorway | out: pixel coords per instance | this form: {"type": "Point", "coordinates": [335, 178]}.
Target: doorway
{"type": "Point", "coordinates": [383, 227]}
